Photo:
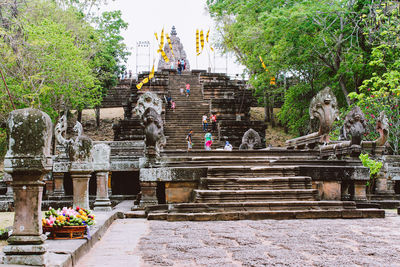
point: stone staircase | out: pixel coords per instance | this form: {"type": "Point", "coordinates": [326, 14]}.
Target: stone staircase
{"type": "Point", "coordinates": [187, 115]}
{"type": "Point", "coordinates": [255, 191]}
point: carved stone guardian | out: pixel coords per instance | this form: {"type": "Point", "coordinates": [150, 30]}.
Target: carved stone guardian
{"type": "Point", "coordinates": [61, 160]}
{"type": "Point", "coordinates": [382, 127]}
{"type": "Point", "coordinates": [80, 161]}
{"type": "Point", "coordinates": [101, 166]}
{"type": "Point", "coordinates": [149, 108]}
{"type": "Point", "coordinates": [250, 140]}
{"type": "Point", "coordinates": [324, 107]}
{"type": "Point", "coordinates": [354, 126]}
{"type": "Point", "coordinates": [28, 159]}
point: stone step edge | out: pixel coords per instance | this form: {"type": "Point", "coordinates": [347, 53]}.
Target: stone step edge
{"type": "Point", "coordinates": [253, 191]}
{"type": "Point", "coordinates": [275, 215]}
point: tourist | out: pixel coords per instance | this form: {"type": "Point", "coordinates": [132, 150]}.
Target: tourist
{"type": "Point", "coordinates": [213, 120]}
{"type": "Point", "coordinates": [125, 74]}
{"type": "Point", "coordinates": [228, 146]}
{"type": "Point", "coordinates": [182, 90]}
{"type": "Point", "coordinates": [173, 105]}
{"type": "Point", "coordinates": [179, 67]}
{"type": "Point", "coordinates": [169, 99]}
{"type": "Point", "coordinates": [204, 121]}
{"type": "Point", "coordinates": [189, 140]}
{"type": "Point", "coordinates": [187, 90]}
{"type": "Point", "coordinates": [208, 140]}
{"type": "Point", "coordinates": [130, 74]}
{"type": "Point", "coordinates": [183, 64]}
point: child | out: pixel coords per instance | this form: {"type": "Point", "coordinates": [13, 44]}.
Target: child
{"type": "Point", "coordinates": [208, 141]}
{"type": "Point", "coordinates": [228, 147]}
{"type": "Point", "coordinates": [173, 106]}
{"type": "Point", "coordinates": [187, 90]}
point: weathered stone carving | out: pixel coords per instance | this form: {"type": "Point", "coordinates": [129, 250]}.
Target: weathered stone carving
{"type": "Point", "coordinates": [149, 108]}
{"type": "Point", "coordinates": [250, 140]}
{"type": "Point", "coordinates": [382, 127]}
{"type": "Point", "coordinates": [354, 126]}
{"type": "Point", "coordinates": [28, 160]}
{"type": "Point", "coordinates": [80, 160]}
{"type": "Point", "coordinates": [324, 107]}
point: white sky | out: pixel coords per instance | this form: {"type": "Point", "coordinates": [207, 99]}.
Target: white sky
{"type": "Point", "coordinates": [148, 16]}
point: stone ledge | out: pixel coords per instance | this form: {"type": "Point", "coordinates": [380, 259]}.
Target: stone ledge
{"type": "Point", "coordinates": [66, 253]}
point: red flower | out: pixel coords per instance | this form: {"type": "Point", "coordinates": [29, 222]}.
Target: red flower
{"type": "Point", "coordinates": [390, 124]}
{"type": "Point", "coordinates": [366, 107]}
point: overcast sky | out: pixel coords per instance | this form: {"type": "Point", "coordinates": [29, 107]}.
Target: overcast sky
{"type": "Point", "coordinates": [148, 16]}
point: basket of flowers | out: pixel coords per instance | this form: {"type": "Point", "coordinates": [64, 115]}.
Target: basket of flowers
{"type": "Point", "coordinates": [67, 223]}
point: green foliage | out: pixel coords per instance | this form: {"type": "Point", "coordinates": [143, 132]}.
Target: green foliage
{"type": "Point", "coordinates": [3, 142]}
{"type": "Point", "coordinates": [374, 166]}
{"type": "Point", "coordinates": [312, 44]}
{"type": "Point", "coordinates": [58, 57]}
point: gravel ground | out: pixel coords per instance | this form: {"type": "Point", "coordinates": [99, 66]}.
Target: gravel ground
{"type": "Point", "coordinates": [362, 242]}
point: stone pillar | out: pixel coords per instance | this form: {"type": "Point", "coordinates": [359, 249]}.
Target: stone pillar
{"type": "Point", "coordinates": [149, 194]}
{"type": "Point", "coordinates": [80, 183]}
{"type": "Point", "coordinates": [101, 165]}
{"type": "Point", "coordinates": [28, 159]}
{"type": "Point", "coordinates": [109, 184]}
{"type": "Point", "coordinates": [102, 202]}
{"type": "Point", "coordinates": [58, 178]}
{"type": "Point", "coordinates": [8, 179]}
{"type": "Point", "coordinates": [360, 190]}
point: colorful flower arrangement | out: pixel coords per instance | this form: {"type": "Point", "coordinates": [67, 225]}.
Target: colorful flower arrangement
{"type": "Point", "coordinates": [68, 217]}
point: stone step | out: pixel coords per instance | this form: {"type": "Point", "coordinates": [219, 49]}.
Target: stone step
{"type": "Point", "coordinates": [250, 171]}
{"type": "Point", "coordinates": [218, 196]}
{"type": "Point", "coordinates": [135, 214]}
{"type": "Point", "coordinates": [267, 214]}
{"type": "Point", "coordinates": [247, 206]}
{"type": "Point", "coordinates": [259, 183]}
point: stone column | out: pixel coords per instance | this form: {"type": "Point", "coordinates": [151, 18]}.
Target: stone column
{"type": "Point", "coordinates": [28, 159]}
{"type": "Point", "coordinates": [58, 178]}
{"type": "Point", "coordinates": [102, 202]}
{"type": "Point", "coordinates": [149, 194]}
{"type": "Point", "coordinates": [360, 190]}
{"type": "Point", "coordinates": [109, 184]}
{"type": "Point", "coordinates": [80, 184]}
{"type": "Point", "coordinates": [101, 165]}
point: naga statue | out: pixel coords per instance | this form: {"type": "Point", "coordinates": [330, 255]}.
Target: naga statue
{"type": "Point", "coordinates": [250, 140]}
{"type": "Point", "coordinates": [354, 126]}
{"type": "Point", "coordinates": [382, 127]}
{"type": "Point", "coordinates": [78, 149]}
{"type": "Point", "coordinates": [324, 107]}
{"type": "Point", "coordinates": [149, 108]}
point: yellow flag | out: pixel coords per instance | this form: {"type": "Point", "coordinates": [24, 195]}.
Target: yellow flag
{"type": "Point", "coordinates": [197, 42]}
{"type": "Point", "coordinates": [169, 43]}
{"type": "Point", "coordinates": [212, 49]}
{"type": "Point", "coordinates": [272, 81]}
{"type": "Point", "coordinates": [139, 85]}
{"type": "Point", "coordinates": [208, 34]}
{"type": "Point", "coordinates": [202, 40]}
{"type": "Point", "coordinates": [151, 75]}
{"type": "Point", "coordinates": [263, 64]}
{"type": "Point", "coordinates": [161, 42]}
{"type": "Point", "coordinates": [166, 59]}
{"type": "Point", "coordinates": [155, 34]}
{"type": "Point", "coordinates": [146, 80]}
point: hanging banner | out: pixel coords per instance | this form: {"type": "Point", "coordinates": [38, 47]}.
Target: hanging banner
{"type": "Point", "coordinates": [202, 40]}
{"type": "Point", "coordinates": [160, 48]}
{"type": "Point", "coordinates": [197, 42]}
{"type": "Point", "coordinates": [166, 59]}
{"type": "Point", "coordinates": [169, 43]}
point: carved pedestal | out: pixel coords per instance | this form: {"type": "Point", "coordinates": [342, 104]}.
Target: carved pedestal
{"type": "Point", "coordinates": [149, 194]}
{"type": "Point", "coordinates": [331, 190]}
{"type": "Point", "coordinates": [360, 192]}
{"type": "Point", "coordinates": [26, 244]}
{"type": "Point", "coordinates": [80, 183]}
{"type": "Point", "coordinates": [28, 160]}
{"type": "Point", "coordinates": [58, 178]}
{"type": "Point", "coordinates": [102, 202]}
